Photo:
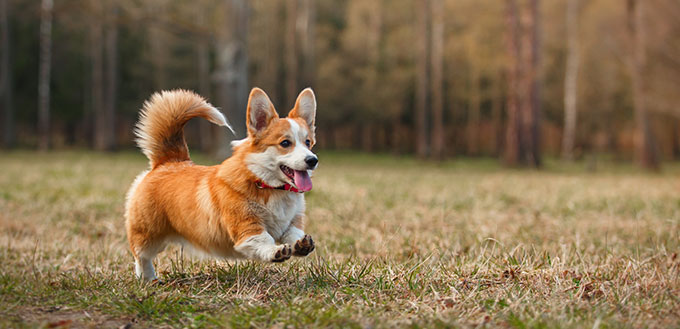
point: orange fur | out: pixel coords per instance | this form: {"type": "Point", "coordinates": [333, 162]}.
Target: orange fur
{"type": "Point", "coordinates": [213, 208]}
{"type": "Point", "coordinates": [162, 120]}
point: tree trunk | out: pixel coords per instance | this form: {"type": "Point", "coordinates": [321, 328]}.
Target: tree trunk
{"type": "Point", "coordinates": [307, 36]}
{"type": "Point", "coordinates": [437, 79]}
{"type": "Point", "coordinates": [273, 77]}
{"type": "Point", "coordinates": [523, 42]}
{"type": "Point", "coordinates": [97, 83]}
{"type": "Point", "coordinates": [158, 44]}
{"type": "Point", "coordinates": [497, 114]}
{"type": "Point", "coordinates": [571, 81]}
{"type": "Point", "coordinates": [526, 86]}
{"type": "Point", "coordinates": [512, 145]}
{"type": "Point", "coordinates": [646, 152]}
{"type": "Point", "coordinates": [675, 131]}
{"type": "Point", "coordinates": [206, 128]}
{"type": "Point", "coordinates": [232, 70]}
{"type": "Point", "coordinates": [44, 74]}
{"type": "Point", "coordinates": [106, 116]}
{"type": "Point", "coordinates": [6, 79]}
{"type": "Point", "coordinates": [534, 147]}
{"type": "Point", "coordinates": [291, 52]}
{"type": "Point", "coordinates": [420, 111]}
{"type": "Point", "coordinates": [473, 112]}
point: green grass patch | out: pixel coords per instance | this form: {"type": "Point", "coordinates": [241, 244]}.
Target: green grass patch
{"type": "Point", "coordinates": [400, 243]}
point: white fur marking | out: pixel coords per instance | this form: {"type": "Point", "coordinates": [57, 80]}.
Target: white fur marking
{"type": "Point", "coordinates": [218, 118]}
{"type": "Point", "coordinates": [144, 262]}
{"type": "Point", "coordinates": [258, 247]}
{"type": "Point", "coordinates": [294, 128]}
{"type": "Point", "coordinates": [264, 166]}
{"type": "Point", "coordinates": [296, 159]}
{"type": "Point", "coordinates": [236, 143]}
{"type": "Point", "coordinates": [292, 235]}
{"type": "Point", "coordinates": [282, 207]}
{"type": "Point", "coordinates": [144, 269]}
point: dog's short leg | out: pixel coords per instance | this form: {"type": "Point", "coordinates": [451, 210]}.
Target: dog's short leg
{"type": "Point", "coordinates": [144, 257]}
{"type": "Point", "coordinates": [304, 246]}
{"type": "Point", "coordinates": [144, 269]}
{"type": "Point", "coordinates": [302, 243]}
{"type": "Point", "coordinates": [292, 234]}
{"type": "Point", "coordinates": [263, 247]}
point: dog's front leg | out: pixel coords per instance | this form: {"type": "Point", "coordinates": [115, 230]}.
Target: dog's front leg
{"type": "Point", "coordinates": [302, 243]}
{"type": "Point", "coordinates": [261, 246]}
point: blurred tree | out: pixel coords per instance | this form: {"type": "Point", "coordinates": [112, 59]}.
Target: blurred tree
{"type": "Point", "coordinates": [44, 74]}
{"type": "Point", "coordinates": [107, 131]}
{"type": "Point", "coordinates": [514, 102]}
{"type": "Point", "coordinates": [157, 10]}
{"type": "Point", "coordinates": [375, 65]}
{"type": "Point", "coordinates": [533, 115]}
{"type": "Point", "coordinates": [646, 152]}
{"type": "Point", "coordinates": [267, 63]}
{"type": "Point", "coordinates": [422, 49]}
{"type": "Point", "coordinates": [298, 47]}
{"type": "Point", "coordinates": [97, 62]}
{"type": "Point", "coordinates": [103, 43]}
{"type": "Point", "coordinates": [231, 72]}
{"type": "Point", "coordinates": [307, 24]}
{"type": "Point", "coordinates": [361, 45]}
{"type": "Point", "coordinates": [206, 128]}
{"type": "Point", "coordinates": [6, 84]}
{"type": "Point", "coordinates": [474, 97]}
{"type": "Point", "coordinates": [291, 54]}
{"type": "Point", "coordinates": [523, 136]}
{"type": "Point", "coordinates": [664, 67]}
{"type": "Point", "coordinates": [497, 114]}
{"type": "Point", "coordinates": [437, 84]}
{"type": "Point", "coordinates": [571, 80]}
{"type": "Point", "coordinates": [475, 82]}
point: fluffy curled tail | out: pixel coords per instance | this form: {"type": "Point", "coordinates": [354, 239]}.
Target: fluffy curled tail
{"type": "Point", "coordinates": [160, 132]}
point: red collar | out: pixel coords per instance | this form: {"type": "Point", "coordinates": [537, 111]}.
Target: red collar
{"type": "Point", "coordinates": [286, 187]}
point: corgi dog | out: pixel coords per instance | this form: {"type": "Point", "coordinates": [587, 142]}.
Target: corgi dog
{"type": "Point", "coordinates": [251, 206]}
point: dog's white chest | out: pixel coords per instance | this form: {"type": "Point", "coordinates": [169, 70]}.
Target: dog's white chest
{"type": "Point", "coordinates": [281, 211]}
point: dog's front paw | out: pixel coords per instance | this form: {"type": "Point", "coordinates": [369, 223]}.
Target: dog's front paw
{"type": "Point", "coordinates": [303, 246]}
{"type": "Point", "coordinates": [282, 254]}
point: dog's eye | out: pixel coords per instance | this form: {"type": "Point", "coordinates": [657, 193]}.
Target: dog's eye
{"type": "Point", "coordinates": [308, 143]}
{"type": "Point", "coordinates": [285, 143]}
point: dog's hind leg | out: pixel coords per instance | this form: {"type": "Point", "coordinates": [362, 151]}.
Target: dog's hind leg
{"type": "Point", "coordinates": [145, 249]}
{"type": "Point", "coordinates": [144, 262]}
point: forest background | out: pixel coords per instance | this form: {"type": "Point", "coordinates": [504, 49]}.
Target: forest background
{"type": "Point", "coordinates": [515, 79]}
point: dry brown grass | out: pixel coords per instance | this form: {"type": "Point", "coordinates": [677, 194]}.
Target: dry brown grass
{"type": "Point", "coordinates": [399, 243]}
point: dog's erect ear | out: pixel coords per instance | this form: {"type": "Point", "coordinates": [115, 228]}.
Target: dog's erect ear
{"type": "Point", "coordinates": [260, 111]}
{"type": "Point", "coordinates": [305, 107]}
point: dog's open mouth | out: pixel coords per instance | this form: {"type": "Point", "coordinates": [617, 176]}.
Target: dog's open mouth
{"type": "Point", "coordinates": [288, 172]}
{"type": "Point", "coordinates": [299, 178]}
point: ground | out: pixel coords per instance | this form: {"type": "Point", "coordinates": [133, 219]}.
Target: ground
{"type": "Point", "coordinates": [399, 242]}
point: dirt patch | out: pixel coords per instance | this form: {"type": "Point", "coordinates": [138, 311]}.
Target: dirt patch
{"type": "Point", "coordinates": [64, 317]}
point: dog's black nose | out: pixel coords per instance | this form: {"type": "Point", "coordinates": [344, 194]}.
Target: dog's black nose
{"type": "Point", "coordinates": [311, 161]}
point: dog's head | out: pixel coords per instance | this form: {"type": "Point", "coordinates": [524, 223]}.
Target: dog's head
{"type": "Point", "coordinates": [280, 149]}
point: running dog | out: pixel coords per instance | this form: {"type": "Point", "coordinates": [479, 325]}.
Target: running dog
{"type": "Point", "coordinates": [251, 206]}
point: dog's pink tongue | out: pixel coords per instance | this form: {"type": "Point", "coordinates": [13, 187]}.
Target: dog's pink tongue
{"type": "Point", "coordinates": [303, 181]}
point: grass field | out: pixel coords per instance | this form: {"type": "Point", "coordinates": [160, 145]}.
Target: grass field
{"type": "Point", "coordinates": [399, 243]}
